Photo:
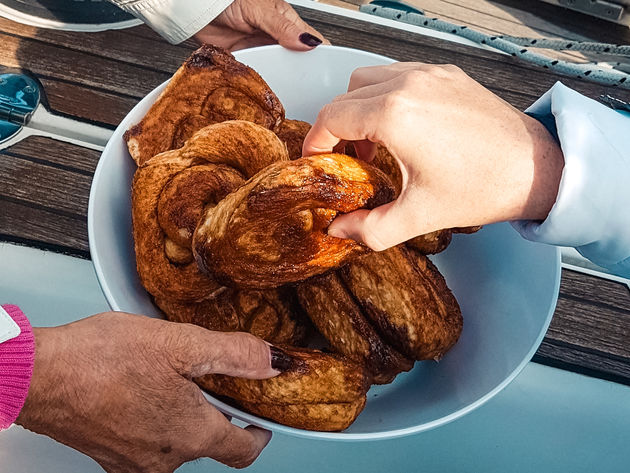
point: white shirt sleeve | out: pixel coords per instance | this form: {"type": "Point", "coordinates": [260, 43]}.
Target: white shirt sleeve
{"type": "Point", "coordinates": [592, 210]}
{"type": "Point", "coordinates": [175, 20]}
{"type": "Point", "coordinates": [8, 328]}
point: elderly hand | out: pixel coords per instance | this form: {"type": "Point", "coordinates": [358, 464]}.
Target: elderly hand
{"type": "Point", "coordinates": [467, 157]}
{"type": "Point", "coordinates": [248, 23]}
{"type": "Point", "coordinates": [118, 388]}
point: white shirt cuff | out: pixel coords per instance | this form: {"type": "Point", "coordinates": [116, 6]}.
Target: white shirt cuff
{"type": "Point", "coordinates": [174, 20]}
{"type": "Point", "coordinates": [591, 212]}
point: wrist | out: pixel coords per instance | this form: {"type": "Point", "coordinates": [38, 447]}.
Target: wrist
{"type": "Point", "coordinates": [16, 368]}
{"type": "Point", "coordinates": [547, 163]}
{"type": "Point", "coordinates": [38, 409]}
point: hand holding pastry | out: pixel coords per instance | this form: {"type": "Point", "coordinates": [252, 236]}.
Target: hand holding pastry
{"type": "Point", "coordinates": [118, 388]}
{"type": "Point", "coordinates": [467, 157]}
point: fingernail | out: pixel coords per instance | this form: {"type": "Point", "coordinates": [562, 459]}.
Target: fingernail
{"type": "Point", "coordinates": [334, 232]}
{"type": "Point", "coordinates": [310, 40]}
{"type": "Point", "coordinates": [280, 360]}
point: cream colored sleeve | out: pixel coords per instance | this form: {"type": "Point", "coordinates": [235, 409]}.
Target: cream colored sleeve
{"type": "Point", "coordinates": [175, 20]}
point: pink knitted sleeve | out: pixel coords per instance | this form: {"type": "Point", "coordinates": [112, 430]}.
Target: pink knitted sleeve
{"type": "Point", "coordinates": [16, 368]}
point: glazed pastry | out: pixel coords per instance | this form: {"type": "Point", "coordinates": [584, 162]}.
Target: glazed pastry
{"type": "Point", "coordinates": [321, 417]}
{"type": "Point", "coordinates": [431, 243]}
{"type": "Point", "coordinates": [271, 315]}
{"type": "Point", "coordinates": [407, 300]}
{"type": "Point", "coordinates": [343, 323]}
{"type": "Point", "coordinates": [272, 230]}
{"type": "Point", "coordinates": [319, 391]}
{"type": "Point", "coordinates": [210, 87]}
{"type": "Point", "coordinates": [438, 241]}
{"type": "Point", "coordinates": [292, 133]}
{"type": "Point", "coordinates": [171, 190]}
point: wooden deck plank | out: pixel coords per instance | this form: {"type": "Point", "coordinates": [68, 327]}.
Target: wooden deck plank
{"type": "Point", "coordinates": [42, 228]}
{"type": "Point", "coordinates": [60, 62]}
{"type": "Point", "coordinates": [43, 185]}
{"type": "Point", "coordinates": [46, 150]}
{"type": "Point", "coordinates": [114, 44]}
{"type": "Point", "coordinates": [87, 103]}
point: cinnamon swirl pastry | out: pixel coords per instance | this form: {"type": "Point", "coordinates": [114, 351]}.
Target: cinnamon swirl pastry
{"type": "Point", "coordinates": [210, 87]}
{"type": "Point", "coordinates": [171, 190]}
{"type": "Point", "coordinates": [271, 315]}
{"type": "Point", "coordinates": [319, 391]}
{"type": "Point", "coordinates": [343, 322]}
{"type": "Point", "coordinates": [292, 133]}
{"type": "Point", "coordinates": [271, 231]}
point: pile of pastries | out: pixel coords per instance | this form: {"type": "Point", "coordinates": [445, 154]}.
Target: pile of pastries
{"type": "Point", "coordinates": [229, 224]}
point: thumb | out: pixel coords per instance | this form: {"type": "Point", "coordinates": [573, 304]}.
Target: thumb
{"type": "Point", "coordinates": [379, 228]}
{"type": "Point", "coordinates": [289, 30]}
{"type": "Point", "coordinates": [196, 351]}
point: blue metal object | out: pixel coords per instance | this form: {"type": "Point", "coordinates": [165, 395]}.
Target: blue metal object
{"type": "Point", "coordinates": [20, 95]}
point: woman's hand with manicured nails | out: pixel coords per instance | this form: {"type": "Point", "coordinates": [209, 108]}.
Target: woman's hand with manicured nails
{"type": "Point", "coordinates": [118, 387]}
{"type": "Point", "coordinates": [249, 23]}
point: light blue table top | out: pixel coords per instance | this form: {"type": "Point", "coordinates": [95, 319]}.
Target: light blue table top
{"type": "Point", "coordinates": [547, 420]}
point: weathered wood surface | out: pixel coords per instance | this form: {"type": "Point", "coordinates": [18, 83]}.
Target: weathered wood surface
{"type": "Point", "coordinates": [44, 184]}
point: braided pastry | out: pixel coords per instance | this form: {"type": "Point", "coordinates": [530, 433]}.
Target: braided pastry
{"type": "Point", "coordinates": [271, 231]}
{"type": "Point", "coordinates": [165, 211]}
{"type": "Point", "coordinates": [342, 321]}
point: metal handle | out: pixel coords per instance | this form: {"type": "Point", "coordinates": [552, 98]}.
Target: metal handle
{"type": "Point", "coordinates": [20, 95]}
{"type": "Point", "coordinates": [14, 115]}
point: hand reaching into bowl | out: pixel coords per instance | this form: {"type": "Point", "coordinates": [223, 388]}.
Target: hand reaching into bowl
{"type": "Point", "coordinates": [118, 388]}
{"type": "Point", "coordinates": [467, 157]}
{"type": "Point", "coordinates": [249, 23]}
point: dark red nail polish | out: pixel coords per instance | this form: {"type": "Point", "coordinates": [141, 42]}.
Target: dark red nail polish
{"type": "Point", "coordinates": [280, 360]}
{"type": "Point", "coordinates": [310, 40]}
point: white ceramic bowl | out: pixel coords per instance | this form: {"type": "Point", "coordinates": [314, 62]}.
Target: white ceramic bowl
{"type": "Point", "coordinates": [506, 286]}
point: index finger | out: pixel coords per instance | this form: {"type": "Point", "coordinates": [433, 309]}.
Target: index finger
{"type": "Point", "coordinates": [341, 120]}
{"type": "Point", "coordinates": [370, 75]}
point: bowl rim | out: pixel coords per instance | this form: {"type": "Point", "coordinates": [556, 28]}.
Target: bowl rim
{"type": "Point", "coordinates": [259, 421]}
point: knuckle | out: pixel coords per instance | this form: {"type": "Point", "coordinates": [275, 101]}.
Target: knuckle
{"type": "Point", "coordinates": [338, 98]}
{"type": "Point", "coordinates": [414, 78]}
{"type": "Point", "coordinates": [393, 102]}
{"type": "Point", "coordinates": [453, 69]}
{"type": "Point", "coordinates": [446, 71]}
{"type": "Point", "coordinates": [358, 77]}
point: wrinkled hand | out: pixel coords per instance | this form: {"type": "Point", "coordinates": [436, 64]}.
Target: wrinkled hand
{"type": "Point", "coordinates": [467, 157]}
{"type": "Point", "coordinates": [118, 388]}
{"type": "Point", "coordinates": [248, 23]}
